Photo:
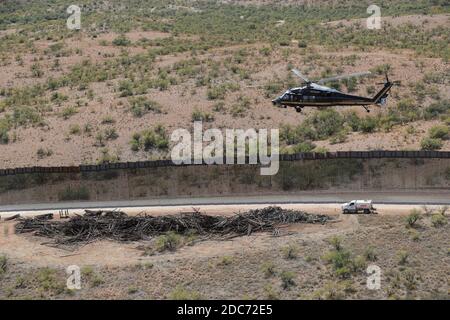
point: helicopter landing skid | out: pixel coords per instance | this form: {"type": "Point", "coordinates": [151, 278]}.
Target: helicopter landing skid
{"type": "Point", "coordinates": [367, 109]}
{"type": "Point", "coordinates": [298, 109]}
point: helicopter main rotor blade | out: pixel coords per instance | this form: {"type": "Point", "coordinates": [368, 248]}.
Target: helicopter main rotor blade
{"type": "Point", "coordinates": [359, 74]}
{"type": "Point", "coordinates": [300, 75]}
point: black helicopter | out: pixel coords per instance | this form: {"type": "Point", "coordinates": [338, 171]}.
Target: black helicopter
{"type": "Point", "coordinates": [314, 94]}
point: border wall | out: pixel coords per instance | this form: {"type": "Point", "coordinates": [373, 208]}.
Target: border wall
{"type": "Point", "coordinates": [306, 172]}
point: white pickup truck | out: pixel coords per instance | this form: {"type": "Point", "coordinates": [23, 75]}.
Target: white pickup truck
{"type": "Point", "coordinates": [359, 206]}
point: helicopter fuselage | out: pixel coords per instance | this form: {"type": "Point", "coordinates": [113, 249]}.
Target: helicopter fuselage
{"type": "Point", "coordinates": [319, 96]}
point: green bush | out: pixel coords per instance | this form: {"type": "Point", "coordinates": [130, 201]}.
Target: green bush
{"type": "Point", "coordinates": [150, 139]}
{"type": "Point", "coordinates": [326, 123]}
{"type": "Point", "coordinates": [168, 242]}
{"type": "Point", "coordinates": [42, 153]}
{"type": "Point", "coordinates": [290, 252]}
{"type": "Point", "coordinates": [402, 257]}
{"type": "Point", "coordinates": [287, 279]}
{"type": "Point", "coordinates": [68, 112]}
{"type": "Point", "coordinates": [306, 146]}
{"type": "Point", "coordinates": [126, 88]}
{"type": "Point", "coordinates": [368, 124]}
{"type": "Point", "coordinates": [370, 254]}
{"type": "Point", "coordinates": [121, 41]}
{"type": "Point", "coordinates": [141, 105]}
{"type": "Point", "coordinates": [414, 216]}
{"type": "Point", "coordinates": [181, 293]}
{"type": "Point", "coordinates": [438, 132]}
{"type": "Point", "coordinates": [436, 109]}
{"type": "Point", "coordinates": [198, 115]}
{"type": "Point", "coordinates": [4, 136]}
{"type": "Point", "coordinates": [438, 220]}
{"type": "Point", "coordinates": [268, 268]}
{"type": "Point", "coordinates": [3, 264]}
{"type": "Point", "coordinates": [431, 144]}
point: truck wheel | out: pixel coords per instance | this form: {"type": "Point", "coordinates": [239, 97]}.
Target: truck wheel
{"type": "Point", "coordinates": [366, 211]}
{"type": "Point", "coordinates": [345, 211]}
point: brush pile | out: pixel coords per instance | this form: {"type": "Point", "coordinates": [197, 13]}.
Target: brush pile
{"type": "Point", "coordinates": [116, 225]}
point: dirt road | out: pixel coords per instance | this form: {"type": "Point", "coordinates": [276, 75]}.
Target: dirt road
{"type": "Point", "coordinates": [386, 203]}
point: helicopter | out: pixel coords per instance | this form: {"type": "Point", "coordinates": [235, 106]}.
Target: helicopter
{"type": "Point", "coordinates": [315, 94]}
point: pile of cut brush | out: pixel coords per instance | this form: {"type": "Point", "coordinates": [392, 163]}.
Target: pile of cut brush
{"type": "Point", "coordinates": [116, 225]}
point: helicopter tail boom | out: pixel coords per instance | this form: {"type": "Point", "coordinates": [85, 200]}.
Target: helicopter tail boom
{"type": "Point", "coordinates": [381, 96]}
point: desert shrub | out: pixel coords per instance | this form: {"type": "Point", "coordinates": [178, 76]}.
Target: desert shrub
{"type": "Point", "coordinates": [110, 134]}
{"type": "Point", "coordinates": [368, 124]}
{"type": "Point", "coordinates": [168, 242]}
{"type": "Point", "coordinates": [121, 41]}
{"type": "Point", "coordinates": [100, 139]}
{"type": "Point", "coordinates": [3, 264]}
{"type": "Point", "coordinates": [344, 265]}
{"type": "Point", "coordinates": [341, 262]}
{"type": "Point", "coordinates": [306, 146]}
{"type": "Point", "coordinates": [181, 293]}
{"type": "Point", "coordinates": [42, 153]}
{"type": "Point", "coordinates": [239, 108]}
{"type": "Point", "coordinates": [340, 137]}
{"type": "Point", "coordinates": [407, 111]}
{"type": "Point", "coordinates": [370, 254]}
{"type": "Point", "coordinates": [36, 70]}
{"type": "Point", "coordinates": [436, 109]}
{"type": "Point", "coordinates": [438, 132]}
{"type": "Point", "coordinates": [219, 92]}
{"type": "Point", "coordinates": [287, 279]}
{"type": "Point", "coordinates": [273, 88]}
{"type": "Point", "coordinates": [268, 268]}
{"type": "Point", "coordinates": [428, 143]}
{"type": "Point", "coordinates": [68, 112]}
{"type": "Point", "coordinates": [352, 119]}
{"type": "Point", "coordinates": [271, 293]}
{"type": "Point", "coordinates": [74, 129]}
{"type": "Point", "coordinates": [381, 69]}
{"type": "Point", "coordinates": [48, 281]}
{"type": "Point", "coordinates": [414, 234]}
{"type": "Point", "coordinates": [141, 105]}
{"type": "Point", "coordinates": [334, 291]}
{"type": "Point", "coordinates": [215, 93]}
{"type": "Point", "coordinates": [318, 126]}
{"type": "Point", "coordinates": [4, 137]}
{"type": "Point", "coordinates": [413, 217]}
{"type": "Point", "coordinates": [106, 157]}
{"type": "Point", "coordinates": [336, 242]}
{"type": "Point", "coordinates": [438, 220]}
{"type": "Point", "coordinates": [150, 139]}
{"type": "Point", "coordinates": [135, 142]}
{"type": "Point", "coordinates": [370, 90]}
{"type": "Point", "coordinates": [402, 257]}
{"type": "Point", "coordinates": [290, 252]}
{"type": "Point", "coordinates": [219, 106]}
{"type": "Point", "coordinates": [326, 123]}
{"type": "Point", "coordinates": [126, 88]}
{"type": "Point", "coordinates": [351, 84]}
{"type": "Point", "coordinates": [108, 120]}
{"type": "Point", "coordinates": [198, 115]}
{"type": "Point", "coordinates": [225, 261]}
{"type": "Point", "coordinates": [74, 193]}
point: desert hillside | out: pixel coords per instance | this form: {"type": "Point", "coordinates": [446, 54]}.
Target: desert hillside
{"type": "Point", "coordinates": [117, 88]}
